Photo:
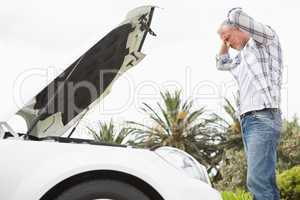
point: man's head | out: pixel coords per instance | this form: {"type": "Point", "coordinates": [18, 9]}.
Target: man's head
{"type": "Point", "coordinates": [232, 35]}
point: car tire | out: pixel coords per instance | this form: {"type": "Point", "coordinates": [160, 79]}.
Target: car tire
{"type": "Point", "coordinates": [102, 189]}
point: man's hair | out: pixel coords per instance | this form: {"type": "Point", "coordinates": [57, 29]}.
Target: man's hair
{"type": "Point", "coordinates": [226, 22]}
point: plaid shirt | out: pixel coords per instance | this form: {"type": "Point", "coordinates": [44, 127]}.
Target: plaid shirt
{"type": "Point", "coordinates": [257, 68]}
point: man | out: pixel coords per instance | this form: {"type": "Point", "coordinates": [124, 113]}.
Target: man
{"type": "Point", "coordinates": [257, 69]}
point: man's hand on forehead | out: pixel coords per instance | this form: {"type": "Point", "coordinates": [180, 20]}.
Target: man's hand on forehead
{"type": "Point", "coordinates": [225, 42]}
{"type": "Point", "coordinates": [224, 48]}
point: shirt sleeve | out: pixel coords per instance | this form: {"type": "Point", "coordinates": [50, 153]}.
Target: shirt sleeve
{"type": "Point", "coordinates": [225, 63]}
{"type": "Point", "coordinates": [259, 32]}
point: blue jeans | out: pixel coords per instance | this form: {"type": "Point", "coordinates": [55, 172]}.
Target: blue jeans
{"type": "Point", "coordinates": [261, 133]}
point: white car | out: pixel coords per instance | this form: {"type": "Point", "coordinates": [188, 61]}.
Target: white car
{"type": "Point", "coordinates": [41, 164]}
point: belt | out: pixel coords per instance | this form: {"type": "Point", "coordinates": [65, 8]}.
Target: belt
{"type": "Point", "coordinates": [255, 111]}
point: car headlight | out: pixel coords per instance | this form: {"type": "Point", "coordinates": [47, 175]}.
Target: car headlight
{"type": "Point", "coordinates": [184, 163]}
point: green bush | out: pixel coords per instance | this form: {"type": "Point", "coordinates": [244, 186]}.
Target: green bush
{"type": "Point", "coordinates": [233, 170]}
{"type": "Point", "coordinates": [289, 184]}
{"type": "Point", "coordinates": [238, 195]}
{"type": "Point", "coordinates": [289, 147]}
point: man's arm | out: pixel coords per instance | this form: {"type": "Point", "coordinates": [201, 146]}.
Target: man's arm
{"type": "Point", "coordinates": [258, 31]}
{"type": "Point", "coordinates": [223, 60]}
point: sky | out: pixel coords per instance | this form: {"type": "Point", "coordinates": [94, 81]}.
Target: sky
{"type": "Point", "coordinates": [39, 39]}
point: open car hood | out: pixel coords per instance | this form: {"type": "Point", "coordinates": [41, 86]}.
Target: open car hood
{"type": "Point", "coordinates": [62, 103]}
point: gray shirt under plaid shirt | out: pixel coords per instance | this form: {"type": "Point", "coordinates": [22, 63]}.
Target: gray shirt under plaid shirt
{"type": "Point", "coordinates": [257, 68]}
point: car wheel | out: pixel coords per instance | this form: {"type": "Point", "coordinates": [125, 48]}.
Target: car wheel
{"type": "Point", "coordinates": [102, 190]}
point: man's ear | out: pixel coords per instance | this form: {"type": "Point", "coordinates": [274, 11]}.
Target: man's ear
{"type": "Point", "coordinates": [236, 29]}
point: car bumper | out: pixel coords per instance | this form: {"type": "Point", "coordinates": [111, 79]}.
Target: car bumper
{"type": "Point", "coordinates": [192, 189]}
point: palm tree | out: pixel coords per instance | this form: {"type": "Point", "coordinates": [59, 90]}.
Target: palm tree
{"type": "Point", "coordinates": [176, 124]}
{"type": "Point", "coordinates": [107, 133]}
